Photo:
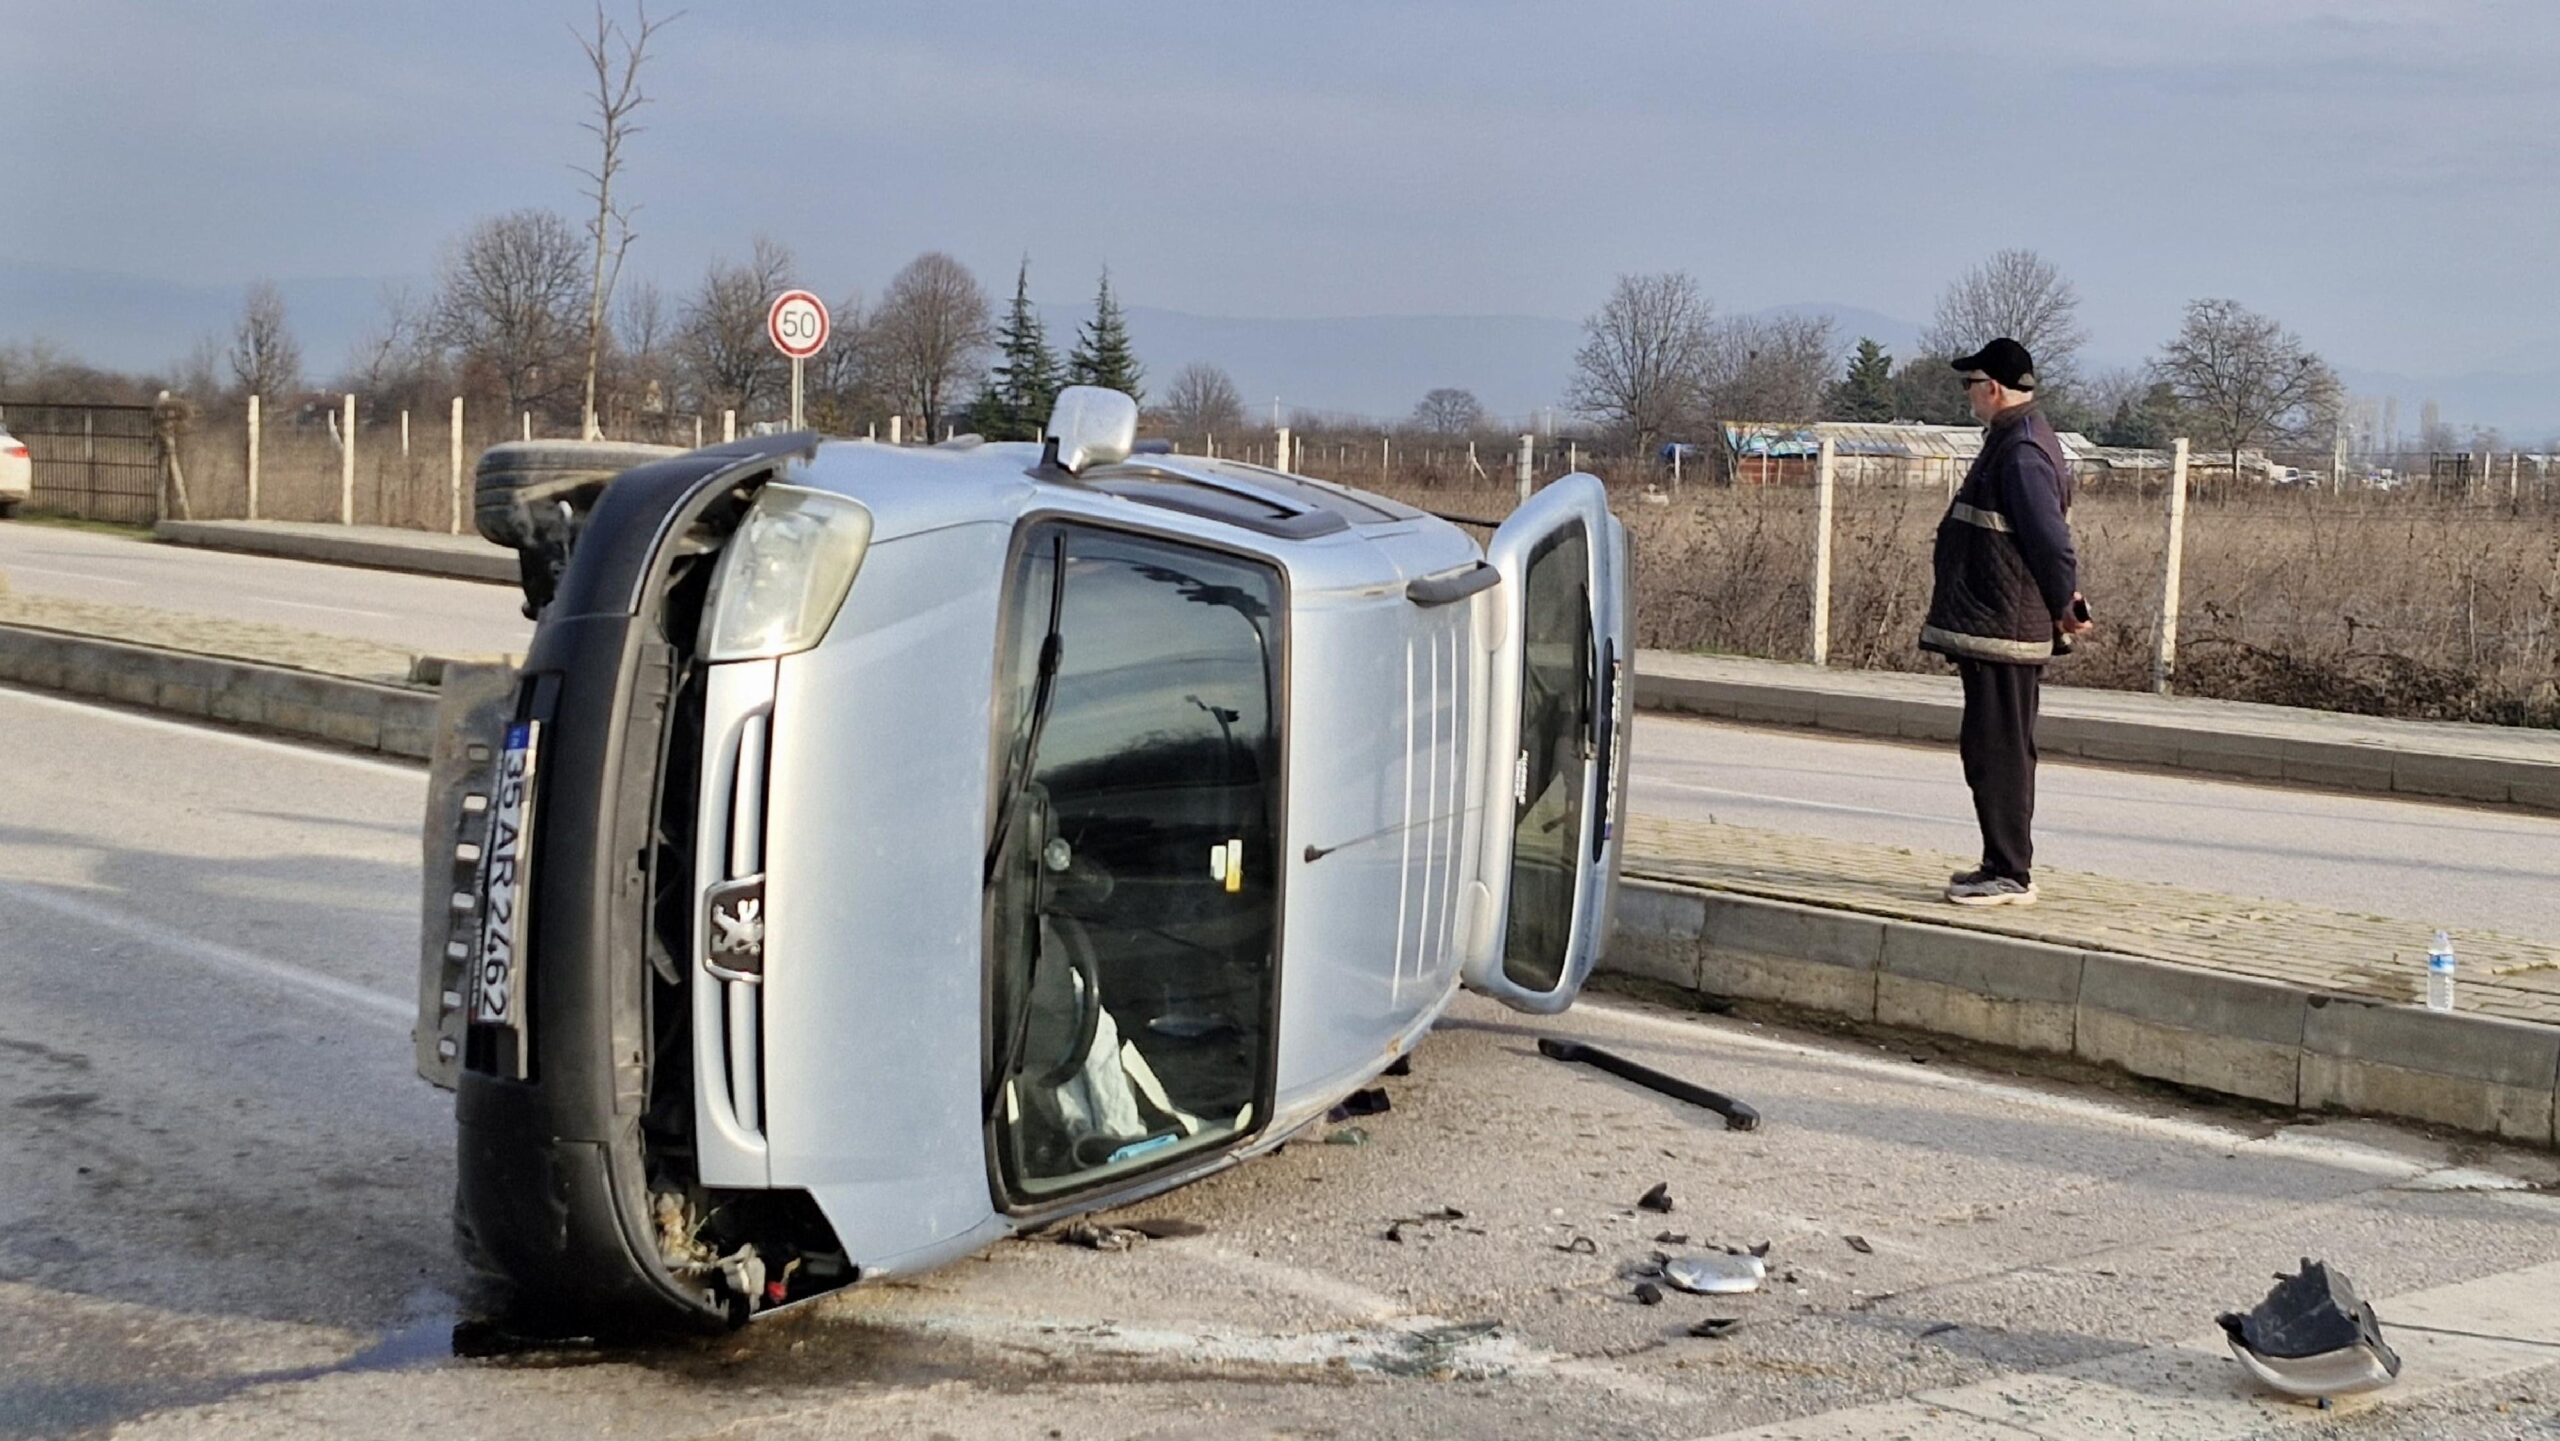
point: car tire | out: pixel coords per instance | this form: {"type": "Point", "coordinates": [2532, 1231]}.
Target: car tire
{"type": "Point", "coordinates": [533, 495]}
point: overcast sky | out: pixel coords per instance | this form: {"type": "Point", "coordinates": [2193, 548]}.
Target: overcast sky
{"type": "Point", "coordinates": [2383, 175]}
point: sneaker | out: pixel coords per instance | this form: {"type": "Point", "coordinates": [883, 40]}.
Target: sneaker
{"type": "Point", "coordinates": [1982, 889]}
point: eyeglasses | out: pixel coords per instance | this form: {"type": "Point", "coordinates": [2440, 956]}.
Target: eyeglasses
{"type": "Point", "coordinates": [1971, 381]}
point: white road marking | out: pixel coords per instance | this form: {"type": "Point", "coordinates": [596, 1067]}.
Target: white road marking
{"type": "Point", "coordinates": [324, 609]}
{"type": "Point", "coordinates": [370, 1003]}
{"type": "Point", "coordinates": [1794, 803]}
{"type": "Point", "coordinates": [2193, 1391]}
{"type": "Point", "coordinates": [102, 711]}
{"type": "Point", "coordinates": [19, 565]}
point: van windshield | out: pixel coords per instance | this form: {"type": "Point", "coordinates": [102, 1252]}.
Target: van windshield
{"type": "Point", "coordinates": [1132, 903]}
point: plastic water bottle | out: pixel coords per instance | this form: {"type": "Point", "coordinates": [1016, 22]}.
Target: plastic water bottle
{"type": "Point", "coordinates": [2440, 973]}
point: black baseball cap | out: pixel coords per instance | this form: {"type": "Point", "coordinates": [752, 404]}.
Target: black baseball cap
{"type": "Point", "coordinates": [2005, 361]}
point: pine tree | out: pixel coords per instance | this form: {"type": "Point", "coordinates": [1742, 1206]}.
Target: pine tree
{"type": "Point", "coordinates": [1866, 392]}
{"type": "Point", "coordinates": [1102, 354]}
{"type": "Point", "coordinates": [1023, 387]}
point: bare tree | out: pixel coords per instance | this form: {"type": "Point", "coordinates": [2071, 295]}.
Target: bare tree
{"type": "Point", "coordinates": [507, 306]}
{"type": "Point", "coordinates": [1771, 368]}
{"type": "Point", "coordinates": [2243, 378]}
{"type": "Point", "coordinates": [1449, 411]}
{"type": "Point", "coordinates": [2019, 294]}
{"type": "Point", "coordinates": [721, 340]}
{"type": "Point", "coordinates": [844, 382]}
{"type": "Point", "coordinates": [639, 373]}
{"type": "Point", "coordinates": [1202, 400]}
{"type": "Point", "coordinates": [1644, 356]}
{"type": "Point", "coordinates": [389, 362]}
{"type": "Point", "coordinates": [265, 358]}
{"type": "Point", "coordinates": [932, 330]}
{"type": "Point", "coordinates": [614, 56]}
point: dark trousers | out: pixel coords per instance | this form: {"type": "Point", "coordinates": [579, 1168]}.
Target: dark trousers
{"type": "Point", "coordinates": [1998, 743]}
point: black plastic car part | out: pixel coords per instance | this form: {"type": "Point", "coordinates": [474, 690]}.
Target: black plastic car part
{"type": "Point", "coordinates": [558, 1192]}
{"type": "Point", "coordinates": [534, 497]}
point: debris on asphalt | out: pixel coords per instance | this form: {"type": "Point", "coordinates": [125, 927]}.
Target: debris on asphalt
{"type": "Point", "coordinates": [1371, 1102]}
{"type": "Point", "coordinates": [1789, 1278]}
{"type": "Point", "coordinates": [1648, 1294]}
{"type": "Point", "coordinates": [1737, 1116]}
{"type": "Point", "coordinates": [1715, 1275]}
{"type": "Point", "coordinates": [1759, 1248]}
{"type": "Point", "coordinates": [1656, 1199]}
{"type": "Point", "coordinates": [1580, 1246]}
{"type": "Point", "coordinates": [1437, 1215]}
{"type": "Point", "coordinates": [1859, 1245]}
{"type": "Point", "coordinates": [1940, 1329]}
{"type": "Point", "coordinates": [1672, 1238]}
{"type": "Point", "coordinates": [1347, 1136]}
{"type": "Point", "coordinates": [1400, 1066]}
{"type": "Point", "coordinates": [1096, 1236]}
{"type": "Point", "coordinates": [1714, 1326]}
{"type": "Point", "coordinates": [1167, 1228]}
{"type": "Point", "coordinates": [2312, 1336]}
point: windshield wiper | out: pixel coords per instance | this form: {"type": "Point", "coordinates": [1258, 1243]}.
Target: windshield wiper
{"type": "Point", "coordinates": [1018, 772]}
{"type": "Point", "coordinates": [1018, 765]}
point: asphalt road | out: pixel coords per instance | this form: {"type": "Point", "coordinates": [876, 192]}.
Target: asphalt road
{"type": "Point", "coordinates": [448, 617]}
{"type": "Point", "coordinates": [2430, 864]}
{"type": "Point", "coordinates": [223, 1208]}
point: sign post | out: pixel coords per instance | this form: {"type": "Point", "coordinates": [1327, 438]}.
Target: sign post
{"type": "Point", "coordinates": [798, 326]}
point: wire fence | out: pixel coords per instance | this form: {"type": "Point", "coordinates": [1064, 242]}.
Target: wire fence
{"type": "Point", "coordinates": [2421, 584]}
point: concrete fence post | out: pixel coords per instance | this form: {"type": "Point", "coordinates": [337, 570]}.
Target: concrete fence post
{"type": "Point", "coordinates": [404, 433]}
{"type": "Point", "coordinates": [347, 464]}
{"type": "Point", "coordinates": [1822, 476]}
{"type": "Point", "coordinates": [1280, 448]}
{"type": "Point", "coordinates": [1528, 458]}
{"type": "Point", "coordinates": [253, 455]}
{"type": "Point", "coordinates": [697, 432]}
{"type": "Point", "coordinates": [453, 477]}
{"type": "Point", "coordinates": [2164, 657]}
{"type": "Point", "coordinates": [897, 424]}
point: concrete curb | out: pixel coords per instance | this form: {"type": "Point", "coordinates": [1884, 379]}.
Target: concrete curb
{"type": "Point", "coordinates": [498, 566]}
{"type": "Point", "coordinates": [2300, 760]}
{"type": "Point", "coordinates": [392, 720]}
{"type": "Point", "coordinates": [2228, 1034]}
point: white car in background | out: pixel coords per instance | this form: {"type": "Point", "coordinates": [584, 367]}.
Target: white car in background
{"type": "Point", "coordinates": [17, 473]}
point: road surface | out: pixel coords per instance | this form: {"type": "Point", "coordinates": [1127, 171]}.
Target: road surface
{"type": "Point", "coordinates": [225, 1208]}
{"type": "Point", "coordinates": [2431, 864]}
{"type": "Point", "coordinates": [425, 613]}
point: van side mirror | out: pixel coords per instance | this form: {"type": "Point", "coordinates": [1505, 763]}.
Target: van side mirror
{"type": "Point", "coordinates": [1090, 425]}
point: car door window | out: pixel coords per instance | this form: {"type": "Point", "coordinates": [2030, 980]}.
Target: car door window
{"type": "Point", "coordinates": [1132, 898]}
{"type": "Point", "coordinates": [1550, 772]}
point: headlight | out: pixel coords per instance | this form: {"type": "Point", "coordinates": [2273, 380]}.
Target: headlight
{"type": "Point", "coordinates": [785, 573]}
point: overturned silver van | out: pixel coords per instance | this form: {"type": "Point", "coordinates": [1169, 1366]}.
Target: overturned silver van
{"type": "Point", "coordinates": [883, 850]}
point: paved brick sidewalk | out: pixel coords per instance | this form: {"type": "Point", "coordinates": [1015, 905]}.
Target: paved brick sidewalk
{"type": "Point", "coordinates": [206, 635]}
{"type": "Point", "coordinates": [2327, 951]}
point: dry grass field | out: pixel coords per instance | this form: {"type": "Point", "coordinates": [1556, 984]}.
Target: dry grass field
{"type": "Point", "coordinates": [2381, 604]}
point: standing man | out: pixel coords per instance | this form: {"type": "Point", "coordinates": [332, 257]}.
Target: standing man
{"type": "Point", "coordinates": [2005, 602]}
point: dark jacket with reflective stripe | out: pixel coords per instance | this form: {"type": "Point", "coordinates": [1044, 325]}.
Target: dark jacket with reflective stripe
{"type": "Point", "coordinates": [2006, 569]}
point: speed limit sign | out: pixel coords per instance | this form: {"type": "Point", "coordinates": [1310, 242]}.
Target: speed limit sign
{"type": "Point", "coordinates": [797, 323]}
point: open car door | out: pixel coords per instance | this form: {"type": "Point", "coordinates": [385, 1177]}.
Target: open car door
{"type": "Point", "coordinates": [1555, 767]}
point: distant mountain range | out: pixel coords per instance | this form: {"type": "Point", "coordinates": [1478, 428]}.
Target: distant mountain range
{"type": "Point", "coordinates": [1369, 366]}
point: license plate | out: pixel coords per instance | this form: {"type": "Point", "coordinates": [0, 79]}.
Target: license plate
{"type": "Point", "coordinates": [497, 983]}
